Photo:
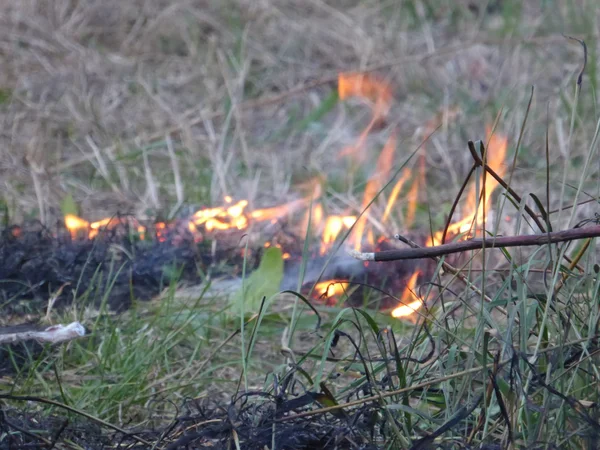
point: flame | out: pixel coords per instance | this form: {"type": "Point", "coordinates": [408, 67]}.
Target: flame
{"type": "Point", "coordinates": [333, 227]}
{"type": "Point", "coordinates": [394, 194]}
{"type": "Point", "coordinates": [78, 226]}
{"type": "Point", "coordinates": [330, 290]}
{"type": "Point", "coordinates": [96, 227]}
{"type": "Point", "coordinates": [369, 87]}
{"type": "Point", "coordinates": [75, 225]}
{"type": "Point", "coordinates": [222, 218]}
{"type": "Point", "coordinates": [474, 210]}
{"type": "Point", "coordinates": [278, 212]}
{"type": "Point", "coordinates": [315, 217]}
{"type": "Point", "coordinates": [384, 165]}
{"type": "Point", "coordinates": [409, 302]}
{"type": "Point", "coordinates": [413, 194]}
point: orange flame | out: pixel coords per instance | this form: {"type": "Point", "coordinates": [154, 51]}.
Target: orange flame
{"type": "Point", "coordinates": [371, 88]}
{"type": "Point", "coordinates": [333, 227]}
{"type": "Point", "coordinates": [413, 194]}
{"type": "Point", "coordinates": [409, 302]}
{"type": "Point", "coordinates": [330, 290]}
{"type": "Point", "coordinates": [278, 212]}
{"type": "Point", "coordinates": [313, 217]}
{"type": "Point", "coordinates": [394, 194]}
{"type": "Point", "coordinates": [76, 225]}
{"type": "Point", "coordinates": [384, 165]}
{"type": "Point", "coordinates": [474, 210]}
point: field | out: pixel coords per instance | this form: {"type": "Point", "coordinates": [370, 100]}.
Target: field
{"type": "Point", "coordinates": [156, 109]}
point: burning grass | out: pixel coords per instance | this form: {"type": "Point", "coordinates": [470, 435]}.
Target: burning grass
{"type": "Point", "coordinates": [114, 107]}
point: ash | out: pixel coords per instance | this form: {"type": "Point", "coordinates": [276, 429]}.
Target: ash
{"type": "Point", "coordinates": [38, 264]}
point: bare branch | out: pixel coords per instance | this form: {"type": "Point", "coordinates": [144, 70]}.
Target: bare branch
{"type": "Point", "coordinates": [477, 244]}
{"type": "Point", "coordinates": [53, 334]}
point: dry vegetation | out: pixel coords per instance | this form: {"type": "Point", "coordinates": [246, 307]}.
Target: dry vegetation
{"type": "Point", "coordinates": [111, 102]}
{"type": "Point", "coordinates": [157, 107]}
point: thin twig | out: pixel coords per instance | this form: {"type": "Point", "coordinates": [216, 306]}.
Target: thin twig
{"type": "Point", "coordinates": [379, 396]}
{"type": "Point", "coordinates": [581, 72]}
{"type": "Point", "coordinates": [502, 183]}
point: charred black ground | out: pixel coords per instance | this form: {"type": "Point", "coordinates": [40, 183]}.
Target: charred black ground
{"type": "Point", "coordinates": [116, 267]}
{"type": "Point", "coordinates": [37, 263]}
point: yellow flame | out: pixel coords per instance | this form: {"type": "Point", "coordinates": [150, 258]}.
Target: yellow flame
{"type": "Point", "coordinates": [221, 218]}
{"type": "Point", "coordinates": [330, 289]}
{"type": "Point", "coordinates": [409, 302]}
{"type": "Point", "coordinates": [75, 224]}
{"type": "Point", "coordinates": [333, 227]}
{"type": "Point", "coordinates": [473, 209]}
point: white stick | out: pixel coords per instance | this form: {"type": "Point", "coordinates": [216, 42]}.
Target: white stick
{"type": "Point", "coordinates": [362, 256]}
{"type": "Point", "coordinates": [53, 334]}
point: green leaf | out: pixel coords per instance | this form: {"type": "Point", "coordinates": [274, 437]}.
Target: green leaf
{"type": "Point", "coordinates": [264, 282]}
{"type": "Point", "coordinates": [68, 206]}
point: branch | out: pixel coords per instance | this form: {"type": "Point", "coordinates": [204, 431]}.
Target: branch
{"type": "Point", "coordinates": [477, 244]}
{"type": "Point", "coordinates": [53, 334]}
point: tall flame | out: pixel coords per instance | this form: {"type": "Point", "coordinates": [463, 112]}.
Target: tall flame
{"type": "Point", "coordinates": [375, 183]}
{"type": "Point", "coordinates": [394, 194]}
{"type": "Point", "coordinates": [368, 87]}
{"type": "Point", "coordinates": [474, 209]}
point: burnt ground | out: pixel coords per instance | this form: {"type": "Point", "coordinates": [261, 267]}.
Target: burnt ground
{"type": "Point", "coordinates": [39, 263]}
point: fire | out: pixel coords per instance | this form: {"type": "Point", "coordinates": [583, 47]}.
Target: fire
{"type": "Point", "coordinates": [373, 89]}
{"type": "Point", "coordinates": [328, 228]}
{"type": "Point", "coordinates": [369, 87]}
{"type": "Point", "coordinates": [413, 194]}
{"type": "Point", "coordinates": [75, 225]}
{"type": "Point", "coordinates": [409, 302]}
{"type": "Point", "coordinates": [236, 214]}
{"type": "Point", "coordinates": [394, 194]}
{"type": "Point", "coordinates": [221, 217]}
{"type": "Point", "coordinates": [333, 227]}
{"type": "Point", "coordinates": [278, 212]}
{"type": "Point", "coordinates": [330, 290]}
{"type": "Point", "coordinates": [375, 183]}
{"type": "Point", "coordinates": [78, 226]}
{"type": "Point", "coordinates": [474, 210]}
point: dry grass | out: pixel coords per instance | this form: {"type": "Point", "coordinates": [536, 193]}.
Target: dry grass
{"type": "Point", "coordinates": [126, 105]}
